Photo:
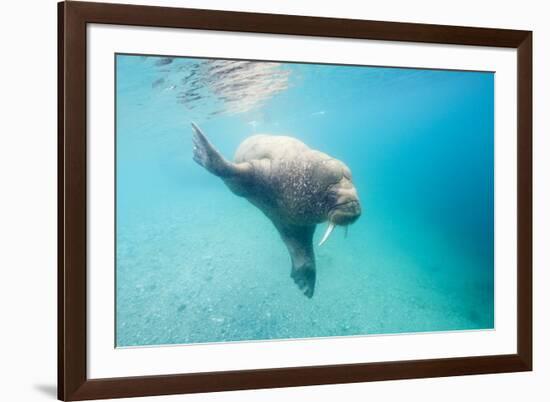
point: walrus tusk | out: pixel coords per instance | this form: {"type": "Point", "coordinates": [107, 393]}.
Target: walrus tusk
{"type": "Point", "coordinates": [327, 233]}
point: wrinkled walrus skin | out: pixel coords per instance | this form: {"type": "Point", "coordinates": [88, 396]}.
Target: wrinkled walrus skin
{"type": "Point", "coordinates": [294, 186]}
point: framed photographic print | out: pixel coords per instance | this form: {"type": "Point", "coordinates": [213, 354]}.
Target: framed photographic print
{"type": "Point", "coordinates": [253, 200]}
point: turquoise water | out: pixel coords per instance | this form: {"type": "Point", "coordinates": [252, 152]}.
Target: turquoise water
{"type": "Point", "coordinates": [195, 263]}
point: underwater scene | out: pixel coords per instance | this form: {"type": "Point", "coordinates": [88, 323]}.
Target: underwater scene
{"type": "Point", "coordinates": [270, 200]}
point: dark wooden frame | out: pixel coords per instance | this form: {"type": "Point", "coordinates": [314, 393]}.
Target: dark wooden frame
{"type": "Point", "coordinates": [73, 383]}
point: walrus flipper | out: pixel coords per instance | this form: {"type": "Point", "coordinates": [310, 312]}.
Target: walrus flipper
{"type": "Point", "coordinates": [208, 157]}
{"type": "Point", "coordinates": [299, 241]}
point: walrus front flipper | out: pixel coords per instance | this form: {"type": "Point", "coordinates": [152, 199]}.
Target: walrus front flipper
{"type": "Point", "coordinates": [299, 241]}
{"type": "Point", "coordinates": [208, 157]}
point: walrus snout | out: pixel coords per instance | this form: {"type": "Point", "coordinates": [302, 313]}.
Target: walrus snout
{"type": "Point", "coordinates": [342, 215]}
{"type": "Point", "coordinates": [345, 208]}
{"type": "Point", "coordinates": [345, 214]}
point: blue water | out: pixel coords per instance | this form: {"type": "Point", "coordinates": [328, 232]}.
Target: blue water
{"type": "Point", "coordinates": [195, 263]}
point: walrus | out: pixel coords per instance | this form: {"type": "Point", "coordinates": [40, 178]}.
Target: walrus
{"type": "Point", "coordinates": [295, 186]}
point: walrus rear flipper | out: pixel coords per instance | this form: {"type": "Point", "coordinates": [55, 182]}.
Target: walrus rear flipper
{"type": "Point", "coordinates": [208, 157]}
{"type": "Point", "coordinates": [299, 241]}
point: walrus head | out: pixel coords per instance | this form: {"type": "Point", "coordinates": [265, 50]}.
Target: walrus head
{"type": "Point", "coordinates": [343, 203]}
